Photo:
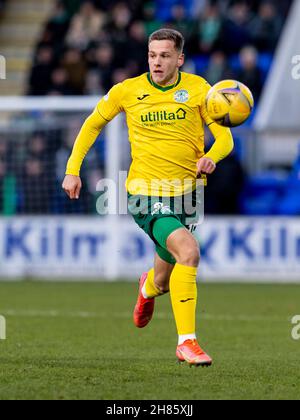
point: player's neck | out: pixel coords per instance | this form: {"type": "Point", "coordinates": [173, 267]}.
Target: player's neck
{"type": "Point", "coordinates": [169, 82]}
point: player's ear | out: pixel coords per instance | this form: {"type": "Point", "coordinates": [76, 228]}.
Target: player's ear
{"type": "Point", "coordinates": [181, 60]}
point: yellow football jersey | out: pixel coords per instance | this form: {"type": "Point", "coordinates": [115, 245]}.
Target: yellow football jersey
{"type": "Point", "coordinates": [166, 131]}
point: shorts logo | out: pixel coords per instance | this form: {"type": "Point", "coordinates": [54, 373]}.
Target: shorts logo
{"type": "Point", "coordinates": [160, 208]}
{"type": "Point", "coordinates": [182, 96]}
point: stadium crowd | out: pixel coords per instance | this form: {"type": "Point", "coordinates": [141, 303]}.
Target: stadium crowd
{"type": "Point", "coordinates": [2, 3]}
{"type": "Point", "coordinates": [32, 166]}
{"type": "Point", "coordinates": [88, 46]}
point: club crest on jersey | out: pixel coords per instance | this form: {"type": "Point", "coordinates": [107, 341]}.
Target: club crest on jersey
{"type": "Point", "coordinates": [161, 208]}
{"type": "Point", "coordinates": [182, 96]}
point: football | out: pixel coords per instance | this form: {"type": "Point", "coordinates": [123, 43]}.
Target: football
{"type": "Point", "coordinates": [229, 103]}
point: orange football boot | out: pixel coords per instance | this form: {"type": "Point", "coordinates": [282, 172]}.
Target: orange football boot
{"type": "Point", "coordinates": [144, 308]}
{"type": "Point", "coordinates": [191, 352]}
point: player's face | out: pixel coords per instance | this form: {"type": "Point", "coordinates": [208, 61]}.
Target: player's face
{"type": "Point", "coordinates": [164, 62]}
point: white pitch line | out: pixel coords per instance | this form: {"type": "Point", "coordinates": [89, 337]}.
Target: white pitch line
{"type": "Point", "coordinates": [128, 315]}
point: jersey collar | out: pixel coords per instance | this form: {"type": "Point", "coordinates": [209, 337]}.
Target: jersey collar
{"type": "Point", "coordinates": [164, 88]}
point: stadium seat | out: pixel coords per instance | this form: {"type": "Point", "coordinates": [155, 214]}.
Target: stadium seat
{"type": "Point", "coordinates": [262, 194]}
{"type": "Point", "coordinates": [289, 204]}
{"type": "Point", "coordinates": [164, 8]}
{"type": "Point", "coordinates": [201, 63]}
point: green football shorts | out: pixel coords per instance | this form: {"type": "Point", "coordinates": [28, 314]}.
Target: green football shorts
{"type": "Point", "coordinates": [161, 216]}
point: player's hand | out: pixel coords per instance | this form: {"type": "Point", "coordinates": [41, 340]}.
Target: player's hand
{"type": "Point", "coordinates": [205, 166]}
{"type": "Point", "coordinates": [72, 186]}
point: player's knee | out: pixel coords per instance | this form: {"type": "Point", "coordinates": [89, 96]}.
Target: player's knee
{"type": "Point", "coordinates": [189, 256]}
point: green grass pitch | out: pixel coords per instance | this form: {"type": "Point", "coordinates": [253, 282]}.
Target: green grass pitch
{"type": "Point", "coordinates": [77, 341]}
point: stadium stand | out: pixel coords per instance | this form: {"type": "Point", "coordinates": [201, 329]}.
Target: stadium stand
{"type": "Point", "coordinates": [2, 5]}
{"type": "Point", "coordinates": [103, 44]}
{"type": "Point", "coordinates": [21, 23]}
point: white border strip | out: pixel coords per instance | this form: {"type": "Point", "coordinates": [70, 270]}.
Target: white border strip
{"type": "Point", "coordinates": [72, 103]}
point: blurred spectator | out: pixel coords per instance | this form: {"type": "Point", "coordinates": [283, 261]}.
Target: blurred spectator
{"type": "Point", "coordinates": [104, 65]}
{"type": "Point", "coordinates": [209, 28]}
{"type": "Point", "coordinates": [198, 7]}
{"type": "Point", "coordinates": [118, 28]}
{"type": "Point", "coordinates": [37, 177]}
{"type": "Point", "coordinates": [40, 77]}
{"type": "Point", "coordinates": [35, 183]}
{"type": "Point", "coordinates": [58, 23]}
{"type": "Point", "coordinates": [182, 22]}
{"type": "Point", "coordinates": [250, 73]}
{"type": "Point", "coordinates": [150, 20]}
{"type": "Point", "coordinates": [75, 66]}
{"type": "Point", "coordinates": [283, 8]}
{"type": "Point", "coordinates": [93, 84]}
{"type": "Point", "coordinates": [37, 147]}
{"type": "Point", "coordinates": [218, 68]}
{"type": "Point", "coordinates": [85, 26]}
{"type": "Point", "coordinates": [3, 172]}
{"type": "Point", "coordinates": [266, 27]}
{"type": "Point", "coordinates": [107, 6]}
{"type": "Point", "coordinates": [119, 75]}
{"type": "Point", "coordinates": [138, 48]}
{"type": "Point", "coordinates": [72, 6]}
{"type": "Point", "coordinates": [236, 31]}
{"type": "Point", "coordinates": [164, 7]}
{"type": "Point", "coordinates": [224, 188]}
{"type": "Point", "coordinates": [8, 193]}
{"type": "Point", "coordinates": [3, 149]}
{"type": "Point", "coordinates": [2, 5]}
{"type": "Point", "coordinates": [60, 84]}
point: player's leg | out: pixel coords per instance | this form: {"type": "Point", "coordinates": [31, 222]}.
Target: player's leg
{"type": "Point", "coordinates": [158, 278]}
{"type": "Point", "coordinates": [175, 244]}
{"type": "Point", "coordinates": [162, 273]}
{"type": "Point", "coordinates": [152, 284]}
{"type": "Point", "coordinates": [185, 248]}
{"type": "Point", "coordinates": [183, 287]}
{"type": "Point", "coordinates": [156, 282]}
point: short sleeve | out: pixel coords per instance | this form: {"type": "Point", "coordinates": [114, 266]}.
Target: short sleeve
{"type": "Point", "coordinates": [111, 104]}
{"type": "Point", "coordinates": [203, 109]}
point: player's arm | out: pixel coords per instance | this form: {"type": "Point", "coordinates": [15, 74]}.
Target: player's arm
{"type": "Point", "coordinates": [86, 138]}
{"type": "Point", "coordinates": [221, 148]}
{"type": "Point", "coordinates": [104, 112]}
